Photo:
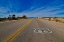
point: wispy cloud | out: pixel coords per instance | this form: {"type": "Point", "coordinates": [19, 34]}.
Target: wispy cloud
{"type": "Point", "coordinates": [33, 8]}
{"type": "Point", "coordinates": [3, 10]}
{"type": "Point", "coordinates": [48, 11]}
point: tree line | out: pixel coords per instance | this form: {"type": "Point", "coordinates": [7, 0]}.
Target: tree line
{"type": "Point", "coordinates": [13, 17]}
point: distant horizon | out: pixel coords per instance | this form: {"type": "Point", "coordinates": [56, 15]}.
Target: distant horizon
{"type": "Point", "coordinates": [35, 17]}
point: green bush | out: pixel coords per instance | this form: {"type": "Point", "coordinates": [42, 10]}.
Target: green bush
{"type": "Point", "coordinates": [50, 19]}
{"type": "Point", "coordinates": [3, 19]}
{"type": "Point", "coordinates": [24, 17]}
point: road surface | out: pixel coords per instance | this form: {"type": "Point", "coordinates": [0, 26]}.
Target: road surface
{"type": "Point", "coordinates": [23, 31]}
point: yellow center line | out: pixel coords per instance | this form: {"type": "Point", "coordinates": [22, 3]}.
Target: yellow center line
{"type": "Point", "coordinates": [10, 38]}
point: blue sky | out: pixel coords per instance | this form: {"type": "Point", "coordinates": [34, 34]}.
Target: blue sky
{"type": "Point", "coordinates": [32, 8]}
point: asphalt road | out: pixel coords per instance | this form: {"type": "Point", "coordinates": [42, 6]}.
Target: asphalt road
{"type": "Point", "coordinates": [23, 31]}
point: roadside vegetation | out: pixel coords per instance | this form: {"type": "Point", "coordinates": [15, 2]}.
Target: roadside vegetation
{"type": "Point", "coordinates": [56, 19]}
{"type": "Point", "coordinates": [12, 17]}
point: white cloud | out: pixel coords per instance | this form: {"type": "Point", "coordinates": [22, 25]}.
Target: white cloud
{"type": "Point", "coordinates": [3, 10]}
{"type": "Point", "coordinates": [42, 12]}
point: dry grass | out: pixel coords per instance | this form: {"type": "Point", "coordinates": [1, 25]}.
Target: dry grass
{"type": "Point", "coordinates": [59, 19]}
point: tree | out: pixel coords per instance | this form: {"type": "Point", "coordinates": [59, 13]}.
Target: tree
{"type": "Point", "coordinates": [9, 17]}
{"type": "Point", "coordinates": [24, 16]}
{"type": "Point", "coordinates": [13, 17]}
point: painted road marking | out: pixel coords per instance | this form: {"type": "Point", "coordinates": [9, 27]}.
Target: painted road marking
{"type": "Point", "coordinates": [42, 30]}
{"type": "Point", "coordinates": [10, 38]}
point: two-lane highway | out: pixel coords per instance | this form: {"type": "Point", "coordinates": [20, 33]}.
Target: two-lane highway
{"type": "Point", "coordinates": [23, 31]}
